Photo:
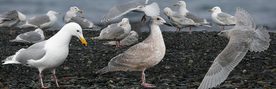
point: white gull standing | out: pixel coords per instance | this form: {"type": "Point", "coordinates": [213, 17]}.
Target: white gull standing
{"type": "Point", "coordinates": [115, 32]}
{"type": "Point", "coordinates": [42, 21]}
{"type": "Point", "coordinates": [11, 18]}
{"type": "Point", "coordinates": [142, 55]}
{"type": "Point", "coordinates": [131, 39]}
{"type": "Point", "coordinates": [192, 16]}
{"type": "Point", "coordinates": [48, 54]}
{"type": "Point", "coordinates": [30, 37]}
{"type": "Point", "coordinates": [177, 20]}
{"type": "Point", "coordinates": [242, 37]}
{"type": "Point", "coordinates": [221, 18]}
{"type": "Point", "coordinates": [71, 16]}
{"type": "Point", "coordinates": [134, 5]}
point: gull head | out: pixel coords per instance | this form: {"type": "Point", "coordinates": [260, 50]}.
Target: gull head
{"type": "Point", "coordinates": [215, 9]}
{"type": "Point", "coordinates": [21, 16]}
{"type": "Point", "coordinates": [52, 13]}
{"type": "Point", "coordinates": [75, 9]}
{"type": "Point", "coordinates": [157, 20]}
{"type": "Point", "coordinates": [223, 33]}
{"type": "Point", "coordinates": [75, 30]}
{"type": "Point", "coordinates": [133, 33]}
{"type": "Point", "coordinates": [180, 3]}
{"type": "Point", "coordinates": [39, 31]}
{"type": "Point", "coordinates": [167, 11]}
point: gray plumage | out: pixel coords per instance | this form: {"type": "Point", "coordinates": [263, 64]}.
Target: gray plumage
{"type": "Point", "coordinates": [243, 37]}
{"type": "Point", "coordinates": [221, 18]}
{"type": "Point", "coordinates": [30, 37]}
{"type": "Point", "coordinates": [131, 39]}
{"type": "Point", "coordinates": [11, 18]}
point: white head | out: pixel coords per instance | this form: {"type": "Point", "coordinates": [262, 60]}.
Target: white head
{"type": "Point", "coordinates": [167, 11]}
{"type": "Point", "coordinates": [21, 16]}
{"type": "Point", "coordinates": [157, 20]}
{"type": "Point", "coordinates": [133, 33]}
{"type": "Point", "coordinates": [39, 31]}
{"type": "Point", "coordinates": [224, 33]}
{"type": "Point", "coordinates": [125, 20]}
{"type": "Point", "coordinates": [75, 9]}
{"type": "Point", "coordinates": [215, 9]}
{"type": "Point", "coordinates": [75, 30]}
{"type": "Point", "coordinates": [125, 24]}
{"type": "Point", "coordinates": [52, 13]}
{"type": "Point", "coordinates": [180, 3]}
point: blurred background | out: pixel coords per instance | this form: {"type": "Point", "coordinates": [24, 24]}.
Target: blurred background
{"type": "Point", "coordinates": [262, 11]}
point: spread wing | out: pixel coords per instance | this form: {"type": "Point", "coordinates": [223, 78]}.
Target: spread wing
{"type": "Point", "coordinates": [244, 19]}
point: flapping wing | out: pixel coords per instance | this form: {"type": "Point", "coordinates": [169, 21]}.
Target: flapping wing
{"type": "Point", "coordinates": [226, 18]}
{"type": "Point", "coordinates": [244, 19]}
{"type": "Point", "coordinates": [224, 63]}
{"type": "Point", "coordinates": [120, 10]}
{"type": "Point", "coordinates": [39, 20]}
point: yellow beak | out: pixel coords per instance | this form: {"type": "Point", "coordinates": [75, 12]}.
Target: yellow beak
{"type": "Point", "coordinates": [126, 22]}
{"type": "Point", "coordinates": [58, 13]}
{"type": "Point", "coordinates": [80, 11]}
{"type": "Point", "coordinates": [83, 41]}
{"type": "Point", "coordinates": [175, 4]}
{"type": "Point", "coordinates": [210, 10]}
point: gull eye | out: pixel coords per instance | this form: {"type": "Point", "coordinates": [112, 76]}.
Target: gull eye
{"type": "Point", "coordinates": [78, 30]}
{"type": "Point", "coordinates": [158, 18]}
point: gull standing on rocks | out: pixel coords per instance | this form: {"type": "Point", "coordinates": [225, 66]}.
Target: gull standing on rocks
{"type": "Point", "coordinates": [30, 37]}
{"type": "Point", "coordinates": [131, 39]}
{"type": "Point", "coordinates": [221, 18]}
{"type": "Point", "coordinates": [179, 21]}
{"type": "Point", "coordinates": [242, 37]}
{"type": "Point", "coordinates": [142, 55]}
{"type": "Point", "coordinates": [134, 5]}
{"type": "Point", "coordinates": [48, 54]}
{"type": "Point", "coordinates": [71, 16]}
{"type": "Point", "coordinates": [115, 32]}
{"type": "Point", "coordinates": [11, 18]}
{"type": "Point", "coordinates": [192, 16]}
{"type": "Point", "coordinates": [42, 21]}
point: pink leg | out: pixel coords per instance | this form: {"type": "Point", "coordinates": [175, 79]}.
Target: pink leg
{"type": "Point", "coordinates": [46, 37]}
{"type": "Point", "coordinates": [42, 86]}
{"type": "Point", "coordinates": [222, 28]}
{"type": "Point", "coordinates": [190, 32]}
{"type": "Point", "coordinates": [143, 19]}
{"type": "Point", "coordinates": [117, 45]}
{"type": "Point", "coordinates": [144, 81]}
{"type": "Point", "coordinates": [55, 78]}
{"type": "Point", "coordinates": [11, 31]}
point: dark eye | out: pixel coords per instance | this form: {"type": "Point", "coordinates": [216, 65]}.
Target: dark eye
{"type": "Point", "coordinates": [78, 30]}
{"type": "Point", "coordinates": [158, 18]}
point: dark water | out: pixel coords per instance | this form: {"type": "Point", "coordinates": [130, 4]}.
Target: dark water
{"type": "Point", "coordinates": [262, 11]}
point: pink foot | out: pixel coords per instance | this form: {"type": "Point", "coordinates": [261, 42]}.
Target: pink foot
{"type": "Point", "coordinates": [143, 19]}
{"type": "Point", "coordinates": [148, 85]}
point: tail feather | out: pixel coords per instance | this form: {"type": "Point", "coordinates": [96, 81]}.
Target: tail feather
{"type": "Point", "coordinates": [152, 9]}
{"type": "Point", "coordinates": [9, 60]}
{"type": "Point", "coordinates": [208, 24]}
{"type": "Point", "coordinates": [112, 68]}
{"type": "Point", "coordinates": [261, 41]}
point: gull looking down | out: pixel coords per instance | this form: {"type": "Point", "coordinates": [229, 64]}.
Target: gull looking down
{"type": "Point", "coordinates": [142, 55]}
{"type": "Point", "coordinates": [30, 37]}
{"type": "Point", "coordinates": [11, 18]}
{"type": "Point", "coordinates": [71, 16]}
{"type": "Point", "coordinates": [134, 5]}
{"type": "Point", "coordinates": [221, 18]}
{"type": "Point", "coordinates": [42, 21]}
{"type": "Point", "coordinates": [48, 54]}
{"type": "Point", "coordinates": [192, 16]}
{"type": "Point", "coordinates": [115, 32]}
{"type": "Point", "coordinates": [242, 37]}
{"type": "Point", "coordinates": [177, 20]}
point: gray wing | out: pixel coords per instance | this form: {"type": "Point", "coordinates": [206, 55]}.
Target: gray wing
{"type": "Point", "coordinates": [224, 63]}
{"type": "Point", "coordinates": [30, 36]}
{"type": "Point", "coordinates": [226, 18]}
{"type": "Point", "coordinates": [35, 52]}
{"type": "Point", "coordinates": [141, 2]}
{"type": "Point", "coordinates": [7, 16]}
{"type": "Point", "coordinates": [194, 17]}
{"type": "Point", "coordinates": [83, 22]}
{"type": "Point", "coordinates": [112, 32]}
{"type": "Point", "coordinates": [120, 10]}
{"type": "Point", "coordinates": [180, 19]}
{"type": "Point", "coordinates": [244, 19]}
{"type": "Point", "coordinates": [39, 20]}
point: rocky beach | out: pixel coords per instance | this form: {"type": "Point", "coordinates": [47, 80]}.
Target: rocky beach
{"type": "Point", "coordinates": [187, 59]}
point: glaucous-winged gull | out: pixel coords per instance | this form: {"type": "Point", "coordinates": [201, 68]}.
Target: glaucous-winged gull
{"type": "Point", "coordinates": [177, 20]}
{"type": "Point", "coordinates": [142, 55]}
{"type": "Point", "coordinates": [134, 5]}
{"type": "Point", "coordinates": [11, 18]}
{"type": "Point", "coordinates": [242, 37]}
{"type": "Point", "coordinates": [30, 37]}
{"type": "Point", "coordinates": [71, 16]}
{"type": "Point", "coordinates": [221, 18]}
{"type": "Point", "coordinates": [192, 16]}
{"type": "Point", "coordinates": [131, 39]}
{"type": "Point", "coordinates": [42, 21]}
{"type": "Point", "coordinates": [48, 54]}
{"type": "Point", "coordinates": [115, 32]}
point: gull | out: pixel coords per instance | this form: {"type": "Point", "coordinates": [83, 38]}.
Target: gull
{"type": "Point", "coordinates": [115, 32]}
{"type": "Point", "coordinates": [183, 11]}
{"type": "Point", "coordinates": [42, 21]}
{"type": "Point", "coordinates": [131, 39]}
{"type": "Point", "coordinates": [177, 20]}
{"type": "Point", "coordinates": [221, 18]}
{"type": "Point", "coordinates": [30, 37]}
{"type": "Point", "coordinates": [48, 54]}
{"type": "Point", "coordinates": [142, 55]}
{"type": "Point", "coordinates": [135, 6]}
{"type": "Point", "coordinates": [11, 18]}
{"type": "Point", "coordinates": [71, 16]}
{"type": "Point", "coordinates": [242, 37]}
